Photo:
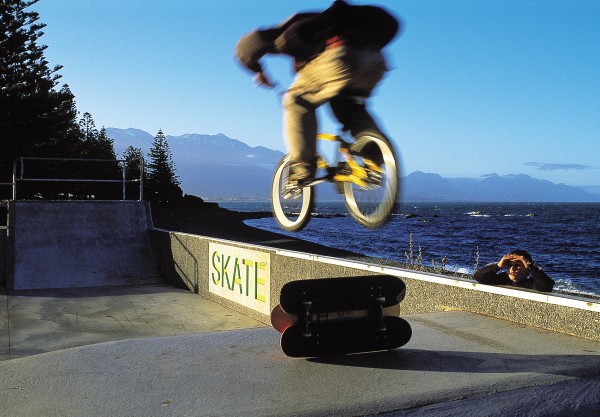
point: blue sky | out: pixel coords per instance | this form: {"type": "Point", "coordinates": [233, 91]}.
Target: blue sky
{"type": "Point", "coordinates": [476, 87]}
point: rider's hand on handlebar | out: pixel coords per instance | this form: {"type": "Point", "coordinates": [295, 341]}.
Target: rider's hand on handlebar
{"type": "Point", "coordinates": [261, 79]}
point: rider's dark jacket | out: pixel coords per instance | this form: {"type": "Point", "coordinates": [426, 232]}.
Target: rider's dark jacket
{"type": "Point", "coordinates": [305, 35]}
{"type": "Point", "coordinates": [254, 45]}
{"type": "Point", "coordinates": [538, 280]}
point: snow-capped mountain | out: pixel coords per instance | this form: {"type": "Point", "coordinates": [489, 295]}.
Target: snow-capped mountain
{"type": "Point", "coordinates": [218, 167]}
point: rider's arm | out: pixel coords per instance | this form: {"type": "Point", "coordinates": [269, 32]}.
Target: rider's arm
{"type": "Point", "coordinates": [253, 46]}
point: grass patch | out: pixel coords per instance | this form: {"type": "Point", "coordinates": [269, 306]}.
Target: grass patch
{"type": "Point", "coordinates": [414, 261]}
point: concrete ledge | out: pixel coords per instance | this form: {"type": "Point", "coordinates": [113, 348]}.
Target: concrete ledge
{"type": "Point", "coordinates": [227, 272]}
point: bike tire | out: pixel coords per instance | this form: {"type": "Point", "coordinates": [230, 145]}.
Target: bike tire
{"type": "Point", "coordinates": [292, 213]}
{"type": "Point", "coordinates": [371, 206]}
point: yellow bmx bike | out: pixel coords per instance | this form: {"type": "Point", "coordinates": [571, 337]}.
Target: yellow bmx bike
{"type": "Point", "coordinates": [365, 171]}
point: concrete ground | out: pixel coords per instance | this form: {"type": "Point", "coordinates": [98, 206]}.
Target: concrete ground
{"type": "Point", "coordinates": [160, 351]}
{"type": "Point", "coordinates": [38, 321]}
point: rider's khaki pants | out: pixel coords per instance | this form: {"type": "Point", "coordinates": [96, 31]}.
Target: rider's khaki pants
{"type": "Point", "coordinates": [321, 81]}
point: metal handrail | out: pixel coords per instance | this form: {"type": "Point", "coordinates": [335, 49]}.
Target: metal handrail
{"type": "Point", "coordinates": [122, 162]}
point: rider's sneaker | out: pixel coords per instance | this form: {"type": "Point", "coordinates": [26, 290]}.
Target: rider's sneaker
{"type": "Point", "coordinates": [302, 173]}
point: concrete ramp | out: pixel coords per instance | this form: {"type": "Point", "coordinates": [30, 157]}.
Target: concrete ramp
{"type": "Point", "coordinates": [54, 244]}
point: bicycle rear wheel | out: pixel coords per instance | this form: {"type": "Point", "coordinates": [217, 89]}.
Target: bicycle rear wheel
{"type": "Point", "coordinates": [373, 204]}
{"type": "Point", "coordinates": [292, 206]}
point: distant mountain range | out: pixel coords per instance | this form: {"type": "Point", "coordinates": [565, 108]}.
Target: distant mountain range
{"type": "Point", "coordinates": [217, 167]}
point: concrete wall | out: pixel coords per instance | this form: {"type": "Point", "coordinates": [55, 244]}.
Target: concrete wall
{"type": "Point", "coordinates": [67, 244]}
{"type": "Point", "coordinates": [224, 271]}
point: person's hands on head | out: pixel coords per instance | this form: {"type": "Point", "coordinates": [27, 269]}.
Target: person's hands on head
{"type": "Point", "coordinates": [520, 258]}
{"type": "Point", "coordinates": [505, 262]}
{"type": "Point", "coordinates": [510, 259]}
{"type": "Point", "coordinates": [517, 266]}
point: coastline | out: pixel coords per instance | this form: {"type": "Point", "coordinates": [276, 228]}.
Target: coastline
{"type": "Point", "coordinates": [195, 216]}
{"type": "Point", "coordinates": [209, 219]}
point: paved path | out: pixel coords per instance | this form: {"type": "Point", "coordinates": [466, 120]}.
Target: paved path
{"type": "Point", "coordinates": [49, 320]}
{"type": "Point", "coordinates": [169, 352]}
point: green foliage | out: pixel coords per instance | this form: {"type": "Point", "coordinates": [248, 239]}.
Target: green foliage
{"type": "Point", "coordinates": [133, 156]}
{"type": "Point", "coordinates": [134, 169]}
{"type": "Point", "coordinates": [87, 127]}
{"type": "Point", "coordinates": [162, 183]}
{"type": "Point", "coordinates": [94, 144]}
{"type": "Point", "coordinates": [35, 118]}
{"type": "Point", "coordinates": [437, 267]}
{"type": "Point", "coordinates": [476, 266]}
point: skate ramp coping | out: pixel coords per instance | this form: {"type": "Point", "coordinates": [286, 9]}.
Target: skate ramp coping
{"type": "Point", "coordinates": [55, 244]}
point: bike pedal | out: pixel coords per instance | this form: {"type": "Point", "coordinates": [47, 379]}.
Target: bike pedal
{"type": "Point", "coordinates": [350, 178]}
{"type": "Point", "coordinates": [292, 190]}
{"type": "Point", "coordinates": [373, 166]}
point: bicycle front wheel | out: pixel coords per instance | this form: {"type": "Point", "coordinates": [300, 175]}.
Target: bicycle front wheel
{"type": "Point", "coordinates": [371, 205]}
{"type": "Point", "coordinates": [292, 206]}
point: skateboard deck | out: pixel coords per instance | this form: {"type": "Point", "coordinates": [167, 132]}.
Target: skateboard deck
{"type": "Point", "coordinates": [334, 316]}
{"type": "Point", "coordinates": [345, 337]}
{"type": "Point", "coordinates": [339, 294]}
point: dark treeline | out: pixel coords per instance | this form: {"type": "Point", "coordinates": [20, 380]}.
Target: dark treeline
{"type": "Point", "coordinates": [39, 119]}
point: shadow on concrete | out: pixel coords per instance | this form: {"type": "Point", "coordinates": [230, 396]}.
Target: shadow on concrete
{"type": "Point", "coordinates": [90, 292]}
{"type": "Point", "coordinates": [168, 266]}
{"type": "Point", "coordinates": [473, 362]}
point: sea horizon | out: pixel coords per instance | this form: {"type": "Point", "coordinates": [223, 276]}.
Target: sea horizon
{"type": "Point", "coordinates": [564, 238]}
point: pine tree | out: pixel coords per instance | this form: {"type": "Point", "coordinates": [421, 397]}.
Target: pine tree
{"type": "Point", "coordinates": [103, 148]}
{"type": "Point", "coordinates": [162, 184]}
{"type": "Point", "coordinates": [106, 146]}
{"type": "Point", "coordinates": [87, 126]}
{"type": "Point", "coordinates": [35, 119]}
{"type": "Point", "coordinates": [133, 158]}
{"type": "Point", "coordinates": [94, 145]}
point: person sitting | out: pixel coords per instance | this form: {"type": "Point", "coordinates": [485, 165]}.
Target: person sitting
{"type": "Point", "coordinates": [521, 272]}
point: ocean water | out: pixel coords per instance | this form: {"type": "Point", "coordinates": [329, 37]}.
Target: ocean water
{"type": "Point", "coordinates": [563, 238]}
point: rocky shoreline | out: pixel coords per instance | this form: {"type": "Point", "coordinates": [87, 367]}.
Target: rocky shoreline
{"type": "Point", "coordinates": [208, 219]}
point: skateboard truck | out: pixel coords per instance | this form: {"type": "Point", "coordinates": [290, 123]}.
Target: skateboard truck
{"type": "Point", "coordinates": [306, 318]}
{"type": "Point", "coordinates": [379, 314]}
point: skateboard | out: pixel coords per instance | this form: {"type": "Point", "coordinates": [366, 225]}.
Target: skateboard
{"type": "Point", "coordinates": [334, 316]}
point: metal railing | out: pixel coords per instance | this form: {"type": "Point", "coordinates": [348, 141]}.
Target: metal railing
{"type": "Point", "coordinates": [19, 174]}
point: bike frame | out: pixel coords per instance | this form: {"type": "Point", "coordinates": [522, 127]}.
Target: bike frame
{"type": "Point", "coordinates": [357, 174]}
{"type": "Point", "coordinates": [364, 170]}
